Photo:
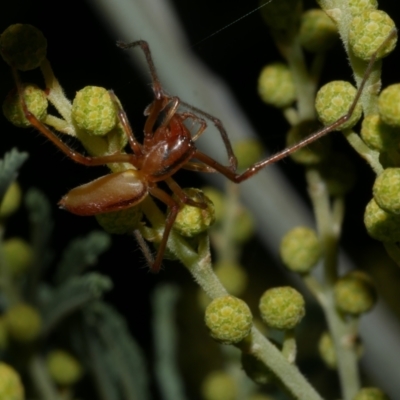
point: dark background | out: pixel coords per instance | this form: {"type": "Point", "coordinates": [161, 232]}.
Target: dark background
{"type": "Point", "coordinates": [83, 52]}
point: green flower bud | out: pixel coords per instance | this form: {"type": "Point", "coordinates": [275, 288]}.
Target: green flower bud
{"type": "Point", "coordinates": [334, 100]}
{"type": "Point", "coordinates": [282, 17]}
{"type": "Point", "coordinates": [232, 276]}
{"type": "Point", "coordinates": [256, 370]}
{"type": "Point", "coordinates": [260, 396]}
{"type": "Point", "coordinates": [11, 200]}
{"type": "Point", "coordinates": [217, 198]}
{"type": "Point", "coordinates": [244, 225]}
{"type": "Point", "coordinates": [219, 385]}
{"type": "Point", "coordinates": [390, 159]}
{"type": "Point", "coordinates": [248, 152]}
{"type": "Point", "coordinates": [18, 255]}
{"type": "Point", "coordinates": [386, 190]}
{"type": "Point", "coordinates": [229, 319]}
{"type": "Point", "coordinates": [23, 323]}
{"type": "Point", "coordinates": [282, 308]}
{"type": "Point", "coordinates": [11, 387]}
{"type": "Point", "coordinates": [276, 86]}
{"type": "Point", "coordinates": [358, 6]}
{"type": "Point", "coordinates": [23, 46]}
{"type": "Point", "coordinates": [327, 351]}
{"type": "Point", "coordinates": [36, 102]}
{"type": "Point", "coordinates": [300, 249]}
{"type": "Point", "coordinates": [338, 173]}
{"type": "Point", "coordinates": [389, 105]}
{"type": "Point", "coordinates": [355, 293]}
{"type": "Point", "coordinates": [64, 368]}
{"type": "Point", "coordinates": [371, 393]}
{"type": "Point", "coordinates": [377, 135]}
{"type": "Point", "coordinates": [121, 221]}
{"type": "Point", "coordinates": [94, 111]}
{"type": "Point", "coordinates": [318, 32]}
{"type": "Point", "coordinates": [315, 152]}
{"type": "Point", "coordinates": [368, 30]}
{"type": "Point", "coordinates": [192, 221]}
{"type": "Point", "coordinates": [380, 224]}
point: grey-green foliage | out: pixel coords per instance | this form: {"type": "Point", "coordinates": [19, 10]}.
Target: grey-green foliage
{"type": "Point", "coordinates": [80, 254]}
{"type": "Point", "coordinates": [117, 362]}
{"type": "Point", "coordinates": [9, 166]}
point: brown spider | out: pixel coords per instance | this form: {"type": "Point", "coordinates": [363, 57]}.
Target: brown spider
{"type": "Point", "coordinates": [166, 148]}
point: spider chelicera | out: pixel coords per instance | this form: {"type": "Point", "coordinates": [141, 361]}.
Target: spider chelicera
{"type": "Point", "coordinates": [167, 147]}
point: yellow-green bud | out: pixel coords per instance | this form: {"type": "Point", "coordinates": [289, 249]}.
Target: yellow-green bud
{"type": "Point", "coordinates": [11, 200]}
{"type": "Point", "coordinates": [244, 225]}
{"type": "Point", "coordinates": [260, 396]}
{"type": "Point", "coordinates": [371, 393]}
{"type": "Point", "coordinates": [219, 385]}
{"type": "Point", "coordinates": [377, 135]}
{"type": "Point", "coordinates": [327, 351]}
{"type": "Point", "coordinates": [217, 198]}
{"type": "Point", "coordinates": [389, 105]}
{"type": "Point", "coordinates": [318, 32]}
{"type": "Point", "coordinates": [282, 308]}
{"type": "Point", "coordinates": [23, 46]}
{"type": "Point", "coordinates": [338, 173]}
{"type": "Point", "coordinates": [248, 152]}
{"type": "Point", "coordinates": [315, 152]}
{"type": "Point", "coordinates": [63, 367]}
{"type": "Point", "coordinates": [11, 387]}
{"type": "Point", "coordinates": [355, 293]}
{"type": "Point", "coordinates": [334, 100]}
{"type": "Point", "coordinates": [276, 86]}
{"type": "Point", "coordinates": [282, 17]}
{"type": "Point", "coordinates": [300, 249]}
{"type": "Point", "coordinates": [386, 190]}
{"type": "Point", "coordinates": [121, 221]}
{"type": "Point", "coordinates": [368, 30]}
{"type": "Point", "coordinates": [18, 255]}
{"type": "Point", "coordinates": [36, 101]}
{"type": "Point", "coordinates": [232, 276]}
{"type": "Point", "coordinates": [358, 6]}
{"type": "Point", "coordinates": [229, 319]}
{"type": "Point", "coordinates": [255, 369]}
{"type": "Point", "coordinates": [380, 224]}
{"type": "Point", "coordinates": [94, 111]}
{"type": "Point", "coordinates": [191, 220]}
{"type": "Point", "coordinates": [23, 323]}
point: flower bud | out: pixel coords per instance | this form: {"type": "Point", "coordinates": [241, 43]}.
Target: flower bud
{"type": "Point", "coordinates": [11, 200]}
{"type": "Point", "coordinates": [256, 370]}
{"type": "Point", "coordinates": [355, 293]}
{"type": "Point", "coordinates": [367, 31]}
{"type": "Point", "coordinates": [63, 367]}
{"type": "Point", "coordinates": [276, 86]}
{"type": "Point", "coordinates": [94, 111]}
{"type": "Point", "coordinates": [300, 249]}
{"type": "Point", "coordinates": [11, 387]}
{"type": "Point", "coordinates": [282, 308]}
{"type": "Point", "coordinates": [23, 46]}
{"type": "Point", "coordinates": [219, 385]}
{"type": "Point", "coordinates": [380, 224]}
{"type": "Point", "coordinates": [327, 350]}
{"type": "Point", "coordinates": [389, 105]}
{"type": "Point", "coordinates": [23, 323]}
{"type": "Point", "coordinates": [229, 319]}
{"type": "Point", "coordinates": [318, 32]}
{"type": "Point", "coordinates": [120, 222]}
{"type": "Point", "coordinates": [233, 276]}
{"type": "Point", "coordinates": [18, 255]}
{"type": "Point", "coordinates": [35, 100]}
{"type": "Point", "coordinates": [192, 220]}
{"type": "Point", "coordinates": [334, 100]}
{"type": "Point", "coordinates": [371, 393]}
{"type": "Point", "coordinates": [386, 190]}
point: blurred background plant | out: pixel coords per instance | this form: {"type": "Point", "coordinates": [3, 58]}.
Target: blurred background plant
{"type": "Point", "coordinates": [234, 268]}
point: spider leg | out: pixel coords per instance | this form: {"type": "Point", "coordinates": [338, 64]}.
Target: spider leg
{"type": "Point", "coordinates": [68, 151]}
{"type": "Point", "coordinates": [198, 167]}
{"type": "Point", "coordinates": [173, 212]}
{"type": "Point", "coordinates": [123, 119]}
{"type": "Point", "coordinates": [183, 197]}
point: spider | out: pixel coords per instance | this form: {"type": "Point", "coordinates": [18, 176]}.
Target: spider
{"type": "Point", "coordinates": [167, 147]}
